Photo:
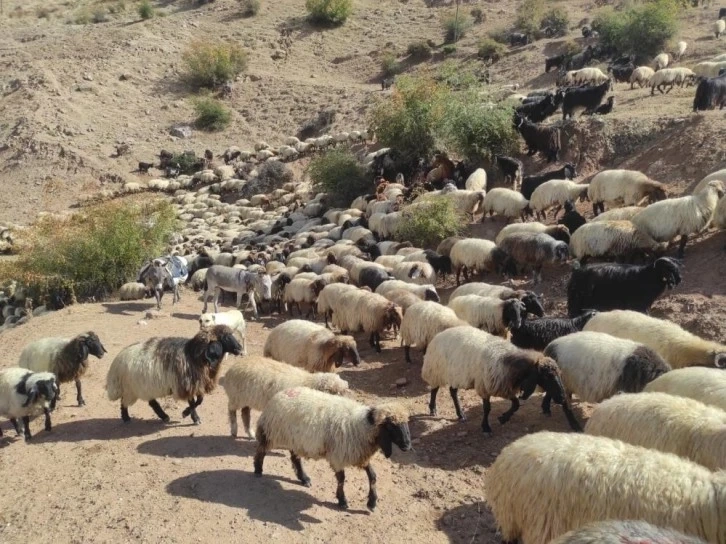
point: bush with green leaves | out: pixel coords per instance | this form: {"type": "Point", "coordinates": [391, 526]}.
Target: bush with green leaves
{"type": "Point", "coordinates": [642, 29]}
{"type": "Point", "coordinates": [448, 49]}
{"type": "Point", "coordinates": [419, 50]}
{"type": "Point", "coordinates": [329, 12]}
{"type": "Point", "coordinates": [426, 223]}
{"type": "Point", "coordinates": [94, 252]}
{"type": "Point", "coordinates": [339, 174]}
{"type": "Point", "coordinates": [212, 115]}
{"type": "Point", "coordinates": [478, 16]}
{"type": "Point", "coordinates": [146, 10]}
{"type": "Point", "coordinates": [390, 65]}
{"type": "Point", "coordinates": [529, 17]}
{"type": "Point", "coordinates": [500, 35]}
{"type": "Point", "coordinates": [455, 27]}
{"type": "Point", "coordinates": [272, 175]}
{"type": "Point", "coordinates": [490, 50]}
{"type": "Point", "coordinates": [249, 7]}
{"type": "Point", "coordinates": [187, 161]}
{"type": "Point", "coordinates": [210, 64]}
{"type": "Point", "coordinates": [557, 21]}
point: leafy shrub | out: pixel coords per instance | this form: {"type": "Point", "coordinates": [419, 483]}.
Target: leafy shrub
{"type": "Point", "coordinates": [338, 173]}
{"type": "Point", "coordinates": [570, 48]}
{"type": "Point", "coordinates": [389, 65]}
{"type": "Point", "coordinates": [500, 35]}
{"type": "Point", "coordinates": [249, 7]}
{"type": "Point", "coordinates": [187, 161]}
{"type": "Point", "coordinates": [490, 50]}
{"type": "Point", "coordinates": [83, 17]}
{"type": "Point", "coordinates": [478, 16]}
{"type": "Point", "coordinates": [456, 77]}
{"type": "Point", "coordinates": [209, 64]}
{"type": "Point", "coordinates": [425, 224]}
{"type": "Point", "coordinates": [556, 20]}
{"type": "Point", "coordinates": [146, 10]}
{"type": "Point", "coordinates": [455, 28]}
{"type": "Point", "coordinates": [419, 50]}
{"type": "Point", "coordinates": [329, 12]}
{"type": "Point", "coordinates": [529, 17]}
{"type": "Point", "coordinates": [448, 49]}
{"type": "Point", "coordinates": [211, 114]}
{"type": "Point", "coordinates": [272, 175]}
{"type": "Point", "coordinates": [642, 29]}
{"type": "Point", "coordinates": [93, 253]}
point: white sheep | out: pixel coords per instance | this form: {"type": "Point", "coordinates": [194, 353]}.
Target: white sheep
{"type": "Point", "coordinates": [402, 298]}
{"type": "Point", "coordinates": [422, 322]}
{"type": "Point", "coordinates": [589, 76]}
{"type": "Point", "coordinates": [707, 385]}
{"type": "Point", "coordinates": [719, 27]}
{"type": "Point", "coordinates": [531, 301]}
{"type": "Point", "coordinates": [717, 175]}
{"type": "Point", "coordinates": [641, 75]}
{"type": "Point", "coordinates": [618, 532]}
{"type": "Point", "coordinates": [677, 346]}
{"type": "Point", "coordinates": [251, 383]}
{"type": "Point", "coordinates": [233, 319]}
{"type": "Point", "coordinates": [505, 202]}
{"type": "Point", "coordinates": [665, 220]}
{"type": "Point", "coordinates": [367, 312]}
{"type": "Point", "coordinates": [24, 394]}
{"type": "Point", "coordinates": [708, 68]}
{"type": "Point", "coordinates": [666, 423]}
{"type": "Point", "coordinates": [556, 192]}
{"type": "Point", "coordinates": [558, 232]}
{"type": "Point", "coordinates": [681, 47]}
{"type": "Point", "coordinates": [617, 214]}
{"type": "Point", "coordinates": [595, 478]}
{"type": "Point", "coordinates": [477, 180]}
{"type": "Point", "coordinates": [611, 239]}
{"type": "Point", "coordinates": [316, 425]}
{"type": "Point", "coordinates": [328, 298]}
{"type": "Point", "coordinates": [472, 254]}
{"type": "Point", "coordinates": [424, 292]}
{"type": "Point", "coordinates": [310, 346]}
{"type": "Point", "coordinates": [420, 273]}
{"type": "Point", "coordinates": [467, 358]}
{"type": "Point", "coordinates": [622, 187]}
{"type": "Point", "coordinates": [668, 77]}
{"type": "Point", "coordinates": [490, 314]}
{"type": "Point", "coordinates": [132, 291]}
{"type": "Point", "coordinates": [305, 291]}
{"type": "Point", "coordinates": [661, 61]}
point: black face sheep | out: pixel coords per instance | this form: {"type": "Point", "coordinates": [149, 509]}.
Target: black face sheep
{"type": "Point", "coordinates": [530, 183]}
{"type": "Point", "coordinates": [531, 300]}
{"type": "Point", "coordinates": [490, 314]}
{"type": "Point", "coordinates": [534, 250]}
{"type": "Point", "coordinates": [24, 394]}
{"type": "Point", "coordinates": [158, 367]}
{"type": "Point", "coordinates": [465, 357]}
{"type": "Point", "coordinates": [627, 531]}
{"type": "Point", "coordinates": [440, 263]}
{"type": "Point", "coordinates": [542, 139]}
{"type": "Point", "coordinates": [621, 73]}
{"type": "Point", "coordinates": [583, 473]}
{"type": "Point", "coordinates": [512, 169]}
{"type": "Point", "coordinates": [538, 333]}
{"type": "Point", "coordinates": [67, 358]}
{"type": "Point", "coordinates": [571, 219]}
{"type": "Point", "coordinates": [345, 433]}
{"type": "Point", "coordinates": [621, 286]}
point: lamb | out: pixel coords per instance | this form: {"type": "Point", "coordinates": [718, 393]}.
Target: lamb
{"type": "Point", "coordinates": [666, 423]}
{"type": "Point", "coordinates": [582, 470]}
{"type": "Point", "coordinates": [24, 394]}
{"type": "Point", "coordinates": [618, 532]}
{"type": "Point", "coordinates": [250, 384]}
{"type": "Point", "coordinates": [532, 301]}
{"type": "Point", "coordinates": [538, 333]}
{"type": "Point", "coordinates": [587, 98]}
{"type": "Point", "coordinates": [477, 180]}
{"type": "Point", "coordinates": [512, 169]}
{"type": "Point", "coordinates": [310, 346]}
{"type": "Point", "coordinates": [628, 187]}
{"type": "Point", "coordinates": [158, 367]}
{"type": "Point", "coordinates": [424, 292]}
{"type": "Point", "coordinates": [719, 27]}
{"type": "Point", "coordinates": [372, 314]}
{"type": "Point", "coordinates": [679, 347]}
{"type": "Point", "coordinates": [707, 385]}
{"type": "Point", "coordinates": [472, 254]}
{"type": "Point", "coordinates": [317, 425]}
{"type": "Point", "coordinates": [571, 219]}
{"type": "Point", "coordinates": [530, 183]}
{"type": "Point", "coordinates": [132, 291]}
{"type": "Point", "coordinates": [555, 193]}
{"type": "Point", "coordinates": [67, 358]}
{"type": "Point", "coordinates": [505, 202]}
{"type": "Point", "coordinates": [612, 239]}
{"type": "Point", "coordinates": [641, 75]}
{"type": "Point", "coordinates": [665, 220]}
{"type": "Point", "coordinates": [422, 322]}
{"type": "Point", "coordinates": [303, 291]}
{"type": "Point", "coordinates": [490, 314]}
{"type": "Point", "coordinates": [534, 250]}
{"type": "Point", "coordinates": [464, 357]}
{"type": "Point", "coordinates": [542, 139]}
{"type": "Point", "coordinates": [558, 232]}
{"type": "Point", "coordinates": [233, 319]}
{"type": "Point", "coordinates": [621, 286]}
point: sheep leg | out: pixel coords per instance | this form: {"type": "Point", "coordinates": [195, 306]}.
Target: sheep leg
{"type": "Point", "coordinates": [15, 425]}
{"type": "Point", "coordinates": [233, 423]}
{"type": "Point", "coordinates": [372, 493]}
{"type": "Point", "coordinates": [157, 410]}
{"type": "Point", "coordinates": [340, 492]}
{"type": "Point", "coordinates": [215, 300]}
{"type": "Point", "coordinates": [246, 421]}
{"type": "Point", "coordinates": [299, 472]}
{"type": "Point", "coordinates": [193, 412]}
{"type": "Point", "coordinates": [407, 353]}
{"type": "Point", "coordinates": [125, 414]}
{"type": "Point", "coordinates": [458, 273]}
{"type": "Point", "coordinates": [79, 395]}
{"type": "Point", "coordinates": [455, 397]}
{"type": "Point", "coordinates": [254, 304]}
{"type": "Point", "coordinates": [487, 405]}
{"type": "Point", "coordinates": [546, 401]}
{"type": "Point", "coordinates": [26, 431]}
{"type": "Point", "coordinates": [432, 401]}
{"type": "Point", "coordinates": [682, 245]}
{"type": "Point", "coordinates": [261, 452]}
{"type": "Point", "coordinates": [571, 419]}
{"type": "Point", "coordinates": [48, 423]}
{"type": "Point", "coordinates": [506, 416]}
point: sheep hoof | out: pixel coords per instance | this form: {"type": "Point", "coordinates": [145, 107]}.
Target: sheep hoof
{"type": "Point", "coordinates": [306, 482]}
{"type": "Point", "coordinates": [166, 419]}
{"type": "Point", "coordinates": [343, 505]}
{"type": "Point", "coordinates": [371, 505]}
{"type": "Point", "coordinates": [502, 419]}
{"type": "Point", "coordinates": [462, 418]}
{"type": "Point", "coordinates": [81, 402]}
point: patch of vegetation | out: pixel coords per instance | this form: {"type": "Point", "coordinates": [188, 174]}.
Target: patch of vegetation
{"type": "Point", "coordinates": [210, 64]}
{"type": "Point", "coordinates": [490, 50]}
{"type": "Point", "coordinates": [187, 161]}
{"type": "Point", "coordinates": [419, 50]}
{"type": "Point", "coordinates": [212, 115]}
{"type": "Point", "coordinates": [118, 7]}
{"type": "Point", "coordinates": [273, 175]}
{"type": "Point", "coordinates": [249, 7]}
{"type": "Point", "coordinates": [642, 29]}
{"type": "Point", "coordinates": [457, 77]}
{"type": "Point", "coordinates": [100, 15]}
{"type": "Point", "coordinates": [529, 17]}
{"type": "Point", "coordinates": [317, 125]}
{"type": "Point", "coordinates": [500, 35]}
{"type": "Point", "coordinates": [329, 12]}
{"type": "Point", "coordinates": [570, 48]}
{"type": "Point", "coordinates": [448, 49]}
{"type": "Point", "coordinates": [455, 27]}
{"type": "Point", "coordinates": [146, 10]}
{"type": "Point", "coordinates": [557, 21]}
{"type": "Point", "coordinates": [93, 253]}
{"type": "Point", "coordinates": [478, 16]}
{"type": "Point", "coordinates": [43, 12]}
{"type": "Point", "coordinates": [390, 65]}
{"type": "Point", "coordinates": [338, 173]}
{"type": "Point", "coordinates": [425, 224]}
{"type": "Point", "coordinates": [83, 17]}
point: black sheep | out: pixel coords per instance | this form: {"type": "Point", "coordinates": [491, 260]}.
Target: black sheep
{"type": "Point", "coordinates": [711, 92]}
{"type": "Point", "coordinates": [603, 109]}
{"type": "Point", "coordinates": [588, 98]}
{"type": "Point", "coordinates": [538, 333]}
{"type": "Point", "coordinates": [530, 183]}
{"type": "Point", "coordinates": [613, 286]}
{"type": "Point", "coordinates": [372, 277]}
{"type": "Point", "coordinates": [511, 168]}
{"type": "Point", "coordinates": [541, 109]}
{"type": "Point", "coordinates": [517, 38]}
{"type": "Point", "coordinates": [145, 166]}
{"type": "Point", "coordinates": [578, 61]}
{"type": "Point", "coordinates": [572, 220]}
{"type": "Point", "coordinates": [440, 263]}
{"type": "Point", "coordinates": [621, 72]}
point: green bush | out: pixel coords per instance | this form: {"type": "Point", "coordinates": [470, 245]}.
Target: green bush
{"type": "Point", "coordinates": [478, 16]}
{"type": "Point", "coordinates": [557, 20]}
{"type": "Point", "coordinates": [211, 114]}
{"type": "Point", "coordinates": [529, 17]}
{"type": "Point", "coordinates": [250, 7]}
{"type": "Point", "coordinates": [425, 224]}
{"type": "Point", "coordinates": [209, 64]}
{"type": "Point", "coordinates": [419, 50]}
{"type": "Point", "coordinates": [339, 174]}
{"type": "Point", "coordinates": [448, 49]}
{"type": "Point", "coordinates": [490, 49]}
{"type": "Point", "coordinates": [329, 12]}
{"type": "Point", "coordinates": [187, 161]}
{"type": "Point", "coordinates": [457, 77]}
{"type": "Point", "coordinates": [93, 253]}
{"type": "Point", "coordinates": [455, 28]}
{"type": "Point", "coordinates": [500, 35]}
{"type": "Point", "coordinates": [642, 30]}
{"type": "Point", "coordinates": [389, 65]}
{"type": "Point", "coordinates": [146, 10]}
{"type": "Point", "coordinates": [570, 48]}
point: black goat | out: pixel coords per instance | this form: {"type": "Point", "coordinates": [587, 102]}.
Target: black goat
{"type": "Point", "coordinates": [621, 72]}
{"type": "Point", "coordinates": [586, 31]}
{"type": "Point", "coordinates": [511, 168]}
{"type": "Point", "coordinates": [722, 13]}
{"type": "Point", "coordinates": [517, 38]}
{"type": "Point", "coordinates": [579, 60]}
{"type": "Point", "coordinates": [540, 110]}
{"type": "Point", "coordinates": [613, 286]}
{"type": "Point", "coordinates": [555, 61]}
{"type": "Point", "coordinates": [530, 183]}
{"type": "Point", "coordinates": [537, 333]}
{"type": "Point", "coordinates": [602, 109]}
{"type": "Point", "coordinates": [711, 92]}
{"type": "Point", "coordinates": [386, 83]}
{"type": "Point", "coordinates": [545, 140]}
{"type": "Point", "coordinates": [145, 166]}
{"type": "Point", "coordinates": [165, 158]}
{"type": "Point", "coordinates": [571, 219]}
{"type": "Point", "coordinates": [440, 263]}
{"type": "Point", "coordinates": [588, 98]}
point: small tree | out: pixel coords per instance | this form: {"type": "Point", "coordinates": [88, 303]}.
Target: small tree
{"type": "Point", "coordinates": [249, 7]}
{"type": "Point", "coordinates": [426, 223]}
{"type": "Point", "coordinates": [146, 10]}
{"type": "Point", "coordinates": [419, 50]}
{"type": "Point", "coordinates": [329, 12]}
{"type": "Point", "coordinates": [209, 64]}
{"type": "Point", "coordinates": [455, 27]}
{"type": "Point", "coordinates": [339, 174]}
{"type": "Point", "coordinates": [490, 50]}
{"type": "Point", "coordinates": [390, 65]}
{"type": "Point", "coordinates": [557, 21]}
{"type": "Point", "coordinates": [529, 18]}
{"type": "Point", "coordinates": [211, 114]}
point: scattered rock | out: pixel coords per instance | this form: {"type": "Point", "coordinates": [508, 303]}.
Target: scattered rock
{"type": "Point", "coordinates": [181, 131]}
{"type": "Point", "coordinates": [142, 322]}
{"type": "Point", "coordinates": [87, 77]}
{"type": "Point", "coordinates": [400, 382]}
{"type": "Point", "coordinates": [254, 77]}
{"type": "Point", "coordinates": [124, 77]}
{"type": "Point", "coordinates": [155, 314]}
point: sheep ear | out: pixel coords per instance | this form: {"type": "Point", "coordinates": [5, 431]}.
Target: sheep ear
{"type": "Point", "coordinates": [384, 440]}
{"type": "Point", "coordinates": [83, 350]}
{"type": "Point", "coordinates": [528, 384]}
{"type": "Point", "coordinates": [32, 396]}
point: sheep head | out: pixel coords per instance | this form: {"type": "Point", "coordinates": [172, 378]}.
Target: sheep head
{"type": "Point", "coordinates": [393, 315]}
{"type": "Point", "coordinates": [532, 302]}
{"type": "Point", "coordinates": [43, 389]}
{"type": "Point", "coordinates": [392, 422]}
{"type": "Point", "coordinates": [209, 346]}
{"type": "Point", "coordinates": [432, 295]}
{"type": "Point", "coordinates": [669, 271]}
{"type": "Point", "coordinates": [340, 349]}
{"type": "Point", "coordinates": [548, 377]}
{"type": "Point", "coordinates": [561, 252]}
{"type": "Point", "coordinates": [89, 343]}
{"type": "Point", "coordinates": [513, 313]}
